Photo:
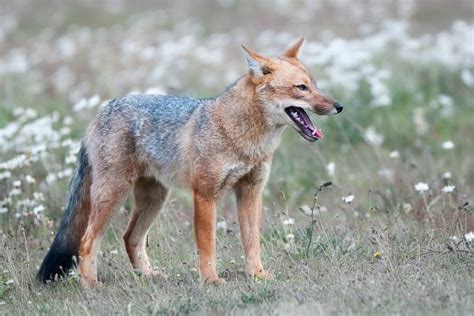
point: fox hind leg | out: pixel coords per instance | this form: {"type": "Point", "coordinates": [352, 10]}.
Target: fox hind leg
{"type": "Point", "coordinates": [107, 195]}
{"type": "Point", "coordinates": [149, 196]}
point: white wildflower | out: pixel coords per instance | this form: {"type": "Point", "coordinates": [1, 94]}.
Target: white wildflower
{"type": "Point", "coordinates": [67, 142]}
{"type": "Point", "coordinates": [38, 209]}
{"type": "Point", "coordinates": [394, 154]}
{"type": "Point", "coordinates": [447, 175]}
{"type": "Point", "coordinates": [420, 121]}
{"type": "Point", "coordinates": [14, 163]}
{"type": "Point", "coordinates": [93, 101]}
{"type": "Point", "coordinates": [51, 177]}
{"type": "Point", "coordinates": [290, 237]}
{"type": "Point", "coordinates": [406, 207]}
{"type": "Point", "coordinates": [64, 173]}
{"type": "Point", "coordinates": [67, 120]}
{"type": "Point", "coordinates": [39, 196]}
{"type": "Point", "coordinates": [156, 90]}
{"type": "Point", "coordinates": [448, 188]}
{"type": "Point", "coordinates": [288, 221]}
{"type": "Point", "coordinates": [331, 168]}
{"type": "Point", "coordinates": [448, 145]}
{"type": "Point", "coordinates": [373, 137]}
{"type": "Point", "coordinates": [5, 175]}
{"type": "Point", "coordinates": [3, 210]}
{"type": "Point", "coordinates": [306, 210]}
{"type": "Point", "coordinates": [469, 236]}
{"type": "Point", "coordinates": [30, 179]}
{"type": "Point", "coordinates": [445, 100]}
{"type": "Point", "coordinates": [454, 238]}
{"type": "Point", "coordinates": [421, 187]}
{"type": "Point", "coordinates": [386, 173]}
{"type": "Point", "coordinates": [348, 199]}
{"type": "Point", "coordinates": [222, 225]}
{"type": "Point", "coordinates": [9, 282]}
{"type": "Point", "coordinates": [467, 77]}
{"type": "Point", "coordinates": [114, 252]}
{"type": "Point", "coordinates": [17, 183]}
{"type": "Point", "coordinates": [14, 191]}
{"type": "Point", "coordinates": [71, 159]}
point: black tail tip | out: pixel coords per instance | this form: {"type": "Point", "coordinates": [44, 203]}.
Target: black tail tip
{"type": "Point", "coordinates": [56, 265]}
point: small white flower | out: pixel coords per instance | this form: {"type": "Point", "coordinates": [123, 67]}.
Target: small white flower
{"type": "Point", "coordinates": [467, 77]}
{"type": "Point", "coordinates": [67, 120]}
{"type": "Point", "coordinates": [386, 173]}
{"type": "Point", "coordinates": [288, 221]}
{"type": "Point", "coordinates": [306, 210]}
{"type": "Point", "coordinates": [469, 236]}
{"type": "Point", "coordinates": [448, 145]}
{"type": "Point", "coordinates": [71, 159]}
{"type": "Point", "coordinates": [406, 207]}
{"type": "Point", "coordinates": [222, 225]}
{"type": "Point", "coordinates": [14, 192]}
{"type": "Point", "coordinates": [348, 199]}
{"type": "Point", "coordinates": [16, 183]}
{"type": "Point", "coordinates": [67, 142]}
{"type": "Point", "coordinates": [114, 252]}
{"type": "Point", "coordinates": [331, 168]}
{"type": "Point", "coordinates": [447, 175]}
{"type": "Point", "coordinates": [5, 175]}
{"type": "Point", "coordinates": [3, 210]}
{"type": "Point", "coordinates": [454, 238]}
{"type": "Point", "coordinates": [9, 282]}
{"type": "Point", "coordinates": [38, 196]}
{"type": "Point", "coordinates": [421, 187]}
{"type": "Point", "coordinates": [93, 101]}
{"type": "Point", "coordinates": [38, 209]}
{"type": "Point", "coordinates": [290, 237]}
{"type": "Point", "coordinates": [394, 154]}
{"type": "Point", "coordinates": [448, 188]}
{"type": "Point", "coordinates": [30, 179]}
{"type": "Point", "coordinates": [51, 178]}
{"type": "Point", "coordinates": [372, 137]}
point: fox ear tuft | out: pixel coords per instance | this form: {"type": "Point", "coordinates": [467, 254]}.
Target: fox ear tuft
{"type": "Point", "coordinates": [294, 50]}
{"type": "Point", "coordinates": [258, 65]}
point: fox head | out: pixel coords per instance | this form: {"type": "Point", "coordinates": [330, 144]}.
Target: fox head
{"type": "Point", "coordinates": [285, 88]}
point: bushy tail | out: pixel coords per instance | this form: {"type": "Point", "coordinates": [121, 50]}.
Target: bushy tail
{"type": "Point", "coordinates": [65, 247]}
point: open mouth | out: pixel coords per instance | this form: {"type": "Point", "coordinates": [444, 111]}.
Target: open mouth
{"type": "Point", "coordinates": [305, 126]}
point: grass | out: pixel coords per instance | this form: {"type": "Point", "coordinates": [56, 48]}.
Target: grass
{"type": "Point", "coordinates": [339, 275]}
{"type": "Point", "coordinates": [392, 250]}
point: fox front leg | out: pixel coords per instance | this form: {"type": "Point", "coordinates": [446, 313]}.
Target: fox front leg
{"type": "Point", "coordinates": [205, 230]}
{"type": "Point", "coordinates": [249, 204]}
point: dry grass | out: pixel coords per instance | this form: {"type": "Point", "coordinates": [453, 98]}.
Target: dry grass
{"type": "Point", "coordinates": [392, 250]}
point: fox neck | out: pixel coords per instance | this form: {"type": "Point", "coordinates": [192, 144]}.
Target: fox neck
{"type": "Point", "coordinates": [241, 118]}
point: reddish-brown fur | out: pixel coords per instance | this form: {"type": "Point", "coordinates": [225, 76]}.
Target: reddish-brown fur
{"type": "Point", "coordinates": [235, 150]}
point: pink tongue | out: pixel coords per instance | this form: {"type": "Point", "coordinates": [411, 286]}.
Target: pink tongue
{"type": "Point", "coordinates": [318, 133]}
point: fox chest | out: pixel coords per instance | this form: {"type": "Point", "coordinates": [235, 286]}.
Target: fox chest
{"type": "Point", "coordinates": [232, 173]}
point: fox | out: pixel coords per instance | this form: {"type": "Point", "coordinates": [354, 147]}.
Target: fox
{"type": "Point", "coordinates": [147, 144]}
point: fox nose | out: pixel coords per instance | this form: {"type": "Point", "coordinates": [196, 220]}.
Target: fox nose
{"type": "Point", "coordinates": [338, 107]}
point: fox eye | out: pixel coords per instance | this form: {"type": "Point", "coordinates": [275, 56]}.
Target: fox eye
{"type": "Point", "coordinates": [302, 87]}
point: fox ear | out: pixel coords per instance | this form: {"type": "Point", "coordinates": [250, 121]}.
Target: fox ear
{"type": "Point", "coordinates": [295, 49]}
{"type": "Point", "coordinates": [258, 65]}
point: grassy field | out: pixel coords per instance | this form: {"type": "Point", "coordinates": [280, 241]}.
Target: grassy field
{"type": "Point", "coordinates": [392, 234]}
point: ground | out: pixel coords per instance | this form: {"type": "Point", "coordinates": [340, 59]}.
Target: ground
{"type": "Point", "coordinates": [391, 234]}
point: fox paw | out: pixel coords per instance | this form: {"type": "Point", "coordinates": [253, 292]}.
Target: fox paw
{"type": "Point", "coordinates": [214, 281]}
{"type": "Point", "coordinates": [91, 284]}
{"type": "Point", "coordinates": [262, 276]}
{"type": "Point", "coordinates": [150, 273]}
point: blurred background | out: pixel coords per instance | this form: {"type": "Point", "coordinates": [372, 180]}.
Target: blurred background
{"type": "Point", "coordinates": [400, 156]}
{"type": "Point", "coordinates": [404, 70]}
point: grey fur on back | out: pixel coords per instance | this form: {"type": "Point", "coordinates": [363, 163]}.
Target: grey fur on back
{"type": "Point", "coordinates": [155, 124]}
